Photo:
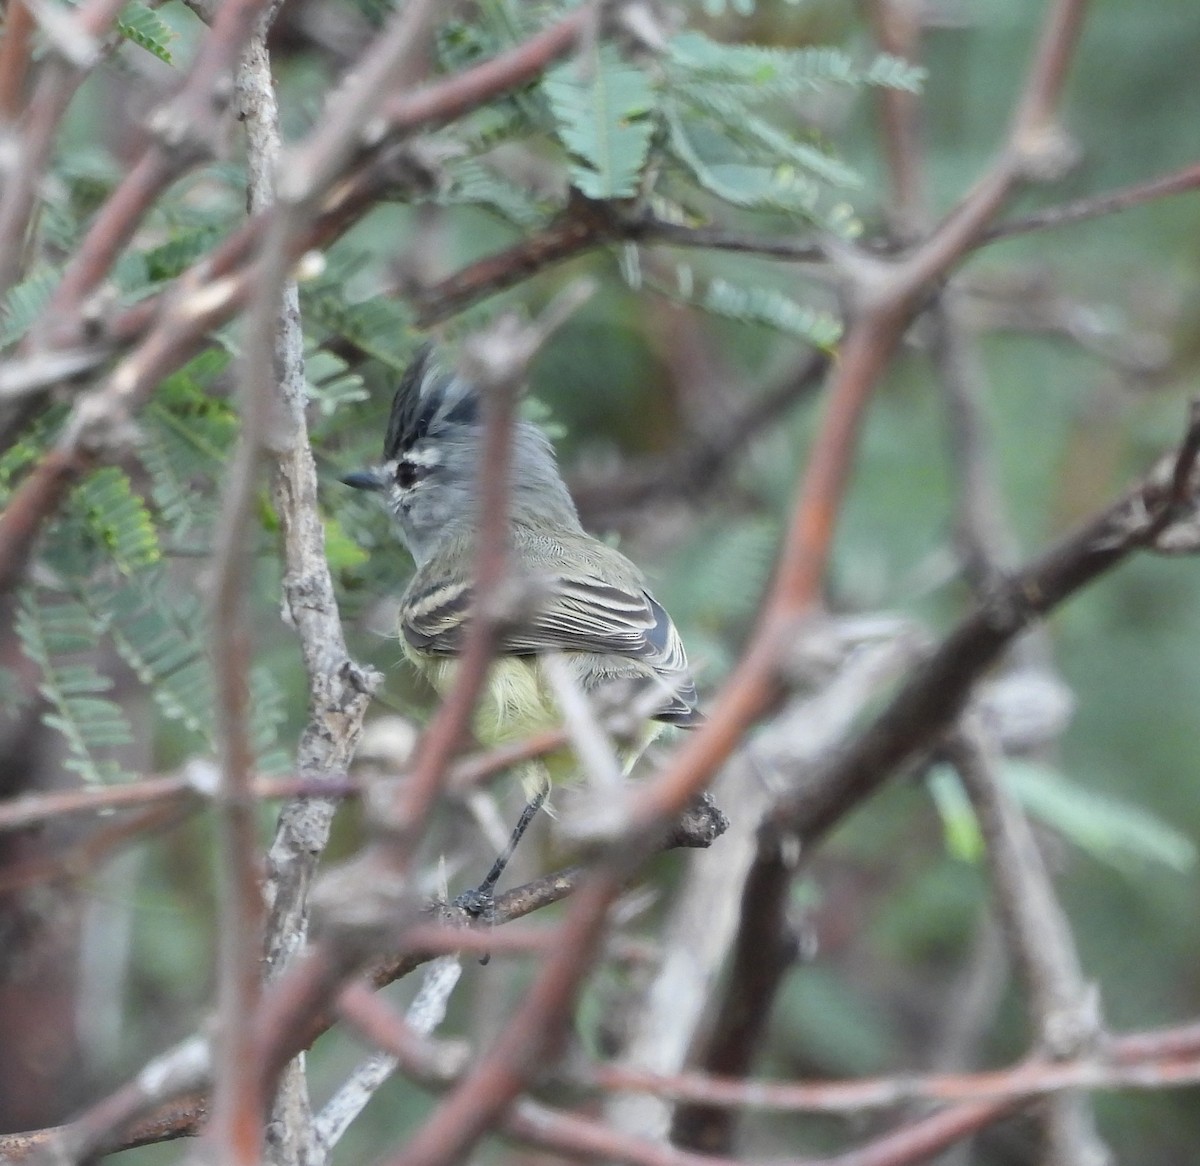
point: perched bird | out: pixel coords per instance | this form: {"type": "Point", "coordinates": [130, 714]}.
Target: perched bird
{"type": "Point", "coordinates": [587, 602]}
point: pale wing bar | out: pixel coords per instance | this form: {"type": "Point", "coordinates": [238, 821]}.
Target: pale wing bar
{"type": "Point", "coordinates": [580, 614]}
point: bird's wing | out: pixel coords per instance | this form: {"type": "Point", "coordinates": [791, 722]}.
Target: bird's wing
{"type": "Point", "coordinates": [575, 613]}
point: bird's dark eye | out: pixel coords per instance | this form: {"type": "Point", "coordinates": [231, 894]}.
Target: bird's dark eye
{"type": "Point", "coordinates": [408, 474]}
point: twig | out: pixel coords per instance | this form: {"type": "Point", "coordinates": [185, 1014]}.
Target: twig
{"type": "Point", "coordinates": [897, 29]}
{"type": "Point", "coordinates": [237, 1130]}
{"type": "Point", "coordinates": [1152, 1059]}
{"type": "Point", "coordinates": [58, 80]}
{"type": "Point", "coordinates": [582, 226]}
{"type": "Point", "coordinates": [174, 1073]}
{"type": "Point", "coordinates": [1094, 206]}
{"type": "Point", "coordinates": [36, 809]}
{"type": "Point", "coordinates": [424, 1015]}
{"type": "Point", "coordinates": [185, 131]}
{"type": "Point", "coordinates": [1025, 1080]}
{"type": "Point", "coordinates": [579, 1137]}
{"type": "Point", "coordinates": [14, 63]}
{"type": "Point", "coordinates": [1065, 1008]}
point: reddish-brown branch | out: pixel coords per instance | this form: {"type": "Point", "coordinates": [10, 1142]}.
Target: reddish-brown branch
{"type": "Point", "coordinates": [897, 29]}
{"type": "Point", "coordinates": [449, 99]}
{"type": "Point", "coordinates": [237, 1110]}
{"type": "Point", "coordinates": [57, 83]}
{"type": "Point", "coordinates": [14, 60]}
{"type": "Point", "coordinates": [583, 226]}
{"type": "Point", "coordinates": [1154, 1059]}
{"type": "Point", "coordinates": [1094, 206]}
{"type": "Point", "coordinates": [91, 260]}
{"type": "Point", "coordinates": [185, 132]}
{"type": "Point", "coordinates": [885, 298]}
{"type": "Point", "coordinates": [919, 1140]}
{"type": "Point", "coordinates": [528, 1040]}
{"type": "Point", "coordinates": [577, 1137]}
{"type": "Point", "coordinates": [446, 735]}
{"type": "Point", "coordinates": [34, 810]}
{"type": "Point", "coordinates": [1163, 1059]}
{"type": "Point", "coordinates": [40, 494]}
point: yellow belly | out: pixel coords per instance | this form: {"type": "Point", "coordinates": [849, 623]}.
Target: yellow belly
{"type": "Point", "coordinates": [516, 702]}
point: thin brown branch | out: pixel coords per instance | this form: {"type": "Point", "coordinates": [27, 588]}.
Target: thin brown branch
{"type": "Point", "coordinates": [445, 100]}
{"type": "Point", "coordinates": [15, 52]}
{"type": "Point", "coordinates": [350, 122]}
{"type": "Point", "coordinates": [1093, 206]}
{"type": "Point", "coordinates": [1023, 1081]}
{"type": "Point", "coordinates": [237, 1109]}
{"type": "Point", "coordinates": [1153, 1059]}
{"type": "Point", "coordinates": [583, 1138]}
{"type": "Point", "coordinates": [584, 225]}
{"type": "Point", "coordinates": [40, 494]}
{"type": "Point", "coordinates": [186, 130]}
{"type": "Point", "coordinates": [897, 29]}
{"type": "Point", "coordinates": [36, 809]}
{"type": "Point", "coordinates": [58, 80]}
{"type": "Point", "coordinates": [714, 238]}
{"type": "Point", "coordinates": [917, 1141]}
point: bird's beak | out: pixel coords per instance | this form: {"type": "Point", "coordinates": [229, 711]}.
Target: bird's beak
{"type": "Point", "coordinates": [363, 480]}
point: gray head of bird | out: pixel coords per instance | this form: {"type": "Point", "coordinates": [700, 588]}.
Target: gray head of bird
{"type": "Point", "coordinates": [428, 476]}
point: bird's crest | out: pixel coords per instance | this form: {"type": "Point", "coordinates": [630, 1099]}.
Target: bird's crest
{"type": "Point", "coordinates": [428, 401]}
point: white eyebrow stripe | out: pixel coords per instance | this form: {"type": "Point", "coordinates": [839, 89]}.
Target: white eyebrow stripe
{"type": "Point", "coordinates": [429, 456]}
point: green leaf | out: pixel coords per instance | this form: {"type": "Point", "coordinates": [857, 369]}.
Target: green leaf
{"type": "Point", "coordinates": [769, 144]}
{"type": "Point", "coordinates": [158, 631]}
{"type": "Point", "coordinates": [341, 550]}
{"type": "Point", "coordinates": [601, 113]}
{"type": "Point", "coordinates": [960, 827]}
{"type": "Point", "coordinates": [175, 256]}
{"type": "Point", "coordinates": [471, 183]}
{"type": "Point", "coordinates": [1109, 829]}
{"type": "Point", "coordinates": [143, 26]}
{"type": "Point", "coordinates": [187, 437]}
{"type": "Point", "coordinates": [379, 327]}
{"type": "Point", "coordinates": [759, 305]}
{"type": "Point", "coordinates": [86, 721]}
{"type": "Point", "coordinates": [764, 72]}
{"type": "Point", "coordinates": [25, 302]}
{"type": "Point", "coordinates": [117, 518]}
{"type": "Point", "coordinates": [331, 382]}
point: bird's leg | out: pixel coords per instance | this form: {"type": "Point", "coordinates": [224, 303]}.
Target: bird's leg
{"type": "Point", "coordinates": [480, 900]}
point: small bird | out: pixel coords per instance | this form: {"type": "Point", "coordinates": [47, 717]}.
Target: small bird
{"type": "Point", "coordinates": [588, 602]}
